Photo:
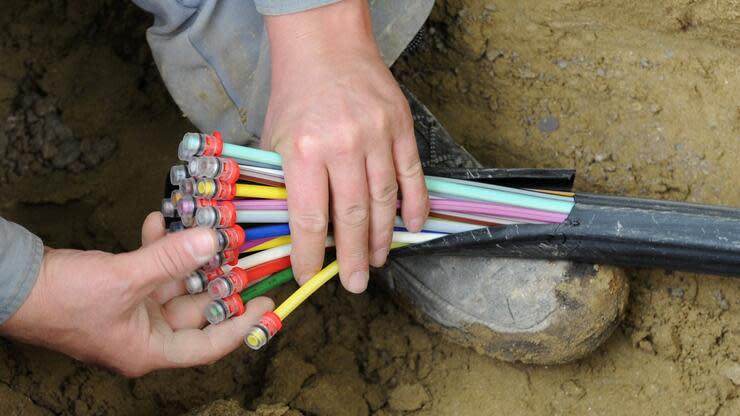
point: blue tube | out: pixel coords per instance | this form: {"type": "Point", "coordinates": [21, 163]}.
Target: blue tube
{"type": "Point", "coordinates": [266, 231]}
{"type": "Point", "coordinates": [235, 151]}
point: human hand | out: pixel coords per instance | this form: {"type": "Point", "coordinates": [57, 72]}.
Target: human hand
{"type": "Point", "coordinates": [344, 129]}
{"type": "Point", "coordinates": [129, 312]}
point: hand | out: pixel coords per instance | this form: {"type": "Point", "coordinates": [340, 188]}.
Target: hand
{"type": "Point", "coordinates": [129, 312]}
{"type": "Point", "coordinates": [343, 128]}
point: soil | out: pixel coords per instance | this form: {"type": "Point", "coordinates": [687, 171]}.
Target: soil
{"type": "Point", "coordinates": [640, 97]}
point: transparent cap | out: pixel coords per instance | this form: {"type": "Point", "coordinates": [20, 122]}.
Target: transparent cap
{"type": "Point", "coordinates": [205, 167]}
{"type": "Point", "coordinates": [206, 217]}
{"type": "Point", "coordinates": [220, 288]}
{"type": "Point", "coordinates": [178, 173]}
{"type": "Point", "coordinates": [215, 261]}
{"type": "Point", "coordinates": [187, 186]}
{"type": "Point", "coordinates": [187, 221]}
{"type": "Point", "coordinates": [186, 206]}
{"type": "Point", "coordinates": [205, 188]}
{"type": "Point", "coordinates": [257, 337]}
{"type": "Point", "coordinates": [168, 208]}
{"type": "Point", "coordinates": [176, 196]}
{"type": "Point", "coordinates": [216, 312]}
{"type": "Point", "coordinates": [195, 283]}
{"type": "Point", "coordinates": [191, 145]}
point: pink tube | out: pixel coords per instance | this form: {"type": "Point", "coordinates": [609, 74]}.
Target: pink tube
{"type": "Point", "coordinates": [452, 205]}
{"type": "Point", "coordinates": [253, 243]}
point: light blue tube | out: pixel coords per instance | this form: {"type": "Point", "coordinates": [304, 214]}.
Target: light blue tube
{"type": "Point", "coordinates": [249, 153]}
{"type": "Point", "coordinates": [498, 196]}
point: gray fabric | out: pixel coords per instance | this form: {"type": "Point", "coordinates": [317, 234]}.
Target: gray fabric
{"type": "Point", "coordinates": [277, 7]}
{"type": "Point", "coordinates": [214, 55]}
{"type": "Point", "coordinates": [20, 261]}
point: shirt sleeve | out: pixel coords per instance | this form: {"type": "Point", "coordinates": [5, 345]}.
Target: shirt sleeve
{"type": "Point", "coordinates": [20, 261]}
{"type": "Point", "coordinates": [278, 7]}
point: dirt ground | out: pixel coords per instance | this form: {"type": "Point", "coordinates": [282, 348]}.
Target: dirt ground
{"type": "Point", "coordinates": [641, 97]}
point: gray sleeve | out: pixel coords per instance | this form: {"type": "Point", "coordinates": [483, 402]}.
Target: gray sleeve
{"type": "Point", "coordinates": [20, 261]}
{"type": "Point", "coordinates": [278, 7]}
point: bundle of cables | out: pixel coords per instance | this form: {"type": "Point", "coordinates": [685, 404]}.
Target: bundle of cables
{"type": "Point", "coordinates": [239, 191]}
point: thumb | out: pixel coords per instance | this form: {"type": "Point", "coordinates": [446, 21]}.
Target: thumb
{"type": "Point", "coordinates": [170, 258]}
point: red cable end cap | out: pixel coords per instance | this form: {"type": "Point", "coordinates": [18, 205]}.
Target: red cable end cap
{"type": "Point", "coordinates": [271, 322]}
{"type": "Point", "coordinates": [218, 145]}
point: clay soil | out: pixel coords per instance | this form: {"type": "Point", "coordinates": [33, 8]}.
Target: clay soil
{"type": "Point", "coordinates": [642, 97]}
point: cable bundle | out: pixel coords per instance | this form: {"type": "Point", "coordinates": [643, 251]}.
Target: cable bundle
{"type": "Point", "coordinates": [228, 187]}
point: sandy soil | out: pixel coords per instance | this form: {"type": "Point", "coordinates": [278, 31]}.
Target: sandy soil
{"type": "Point", "coordinates": [641, 97]}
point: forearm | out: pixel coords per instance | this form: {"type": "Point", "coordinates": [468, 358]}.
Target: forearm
{"type": "Point", "coordinates": [20, 259]}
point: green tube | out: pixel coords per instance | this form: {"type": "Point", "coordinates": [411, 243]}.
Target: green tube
{"type": "Point", "coordinates": [437, 185]}
{"type": "Point", "coordinates": [265, 285]}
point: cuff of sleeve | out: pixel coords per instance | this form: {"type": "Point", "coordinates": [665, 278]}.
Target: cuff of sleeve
{"type": "Point", "coordinates": [278, 7]}
{"type": "Point", "coordinates": [20, 262]}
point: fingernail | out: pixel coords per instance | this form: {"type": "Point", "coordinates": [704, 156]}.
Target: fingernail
{"type": "Point", "coordinates": [358, 282]}
{"type": "Point", "coordinates": [415, 224]}
{"type": "Point", "coordinates": [379, 256]}
{"type": "Point", "coordinates": [203, 244]}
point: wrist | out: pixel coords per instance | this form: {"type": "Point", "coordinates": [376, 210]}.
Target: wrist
{"type": "Point", "coordinates": [323, 34]}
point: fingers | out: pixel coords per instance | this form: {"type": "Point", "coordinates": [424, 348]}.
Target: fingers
{"type": "Point", "coordinates": [153, 228]}
{"type": "Point", "coordinates": [308, 203]}
{"type": "Point", "coordinates": [350, 216]}
{"type": "Point", "coordinates": [415, 200]}
{"type": "Point", "coordinates": [186, 311]}
{"type": "Point", "coordinates": [190, 347]}
{"type": "Point", "coordinates": [168, 259]}
{"type": "Point", "coordinates": [381, 177]}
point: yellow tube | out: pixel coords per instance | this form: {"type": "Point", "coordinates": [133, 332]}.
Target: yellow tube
{"type": "Point", "coordinates": [260, 191]}
{"type": "Point", "coordinates": [275, 242]}
{"type": "Point", "coordinates": [312, 285]}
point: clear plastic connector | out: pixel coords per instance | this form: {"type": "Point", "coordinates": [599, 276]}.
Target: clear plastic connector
{"type": "Point", "coordinates": [257, 337]}
{"type": "Point", "coordinates": [197, 281]}
{"type": "Point", "coordinates": [220, 216]}
{"type": "Point", "coordinates": [222, 309]}
{"type": "Point", "coordinates": [223, 169]}
{"type": "Point", "coordinates": [176, 196]}
{"type": "Point", "coordinates": [220, 288]}
{"type": "Point", "coordinates": [188, 221]}
{"type": "Point", "coordinates": [215, 189]}
{"type": "Point", "coordinates": [216, 312]}
{"type": "Point", "coordinates": [230, 257]}
{"type": "Point", "coordinates": [197, 144]}
{"type": "Point", "coordinates": [205, 167]}
{"type": "Point", "coordinates": [187, 186]}
{"type": "Point", "coordinates": [168, 208]}
{"type": "Point", "coordinates": [176, 226]}
{"type": "Point", "coordinates": [178, 173]}
{"type": "Point", "coordinates": [191, 145]}
{"type": "Point", "coordinates": [230, 238]}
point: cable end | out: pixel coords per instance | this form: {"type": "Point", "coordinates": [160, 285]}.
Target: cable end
{"type": "Point", "coordinates": [256, 338]}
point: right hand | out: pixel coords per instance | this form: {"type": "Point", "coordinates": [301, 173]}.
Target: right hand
{"type": "Point", "coordinates": [344, 129]}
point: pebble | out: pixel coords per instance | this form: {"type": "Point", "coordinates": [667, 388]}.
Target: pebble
{"type": "Point", "coordinates": [408, 397]}
{"type": "Point", "coordinates": [548, 124]}
{"type": "Point", "coordinates": [733, 373]}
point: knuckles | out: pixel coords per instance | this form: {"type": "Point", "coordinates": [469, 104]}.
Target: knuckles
{"type": "Point", "coordinates": [353, 215]}
{"type": "Point", "coordinates": [310, 222]}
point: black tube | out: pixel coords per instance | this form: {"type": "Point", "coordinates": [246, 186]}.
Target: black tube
{"type": "Point", "coordinates": [614, 230]}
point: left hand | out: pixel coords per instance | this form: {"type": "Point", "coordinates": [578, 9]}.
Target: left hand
{"type": "Point", "coordinates": [130, 312]}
